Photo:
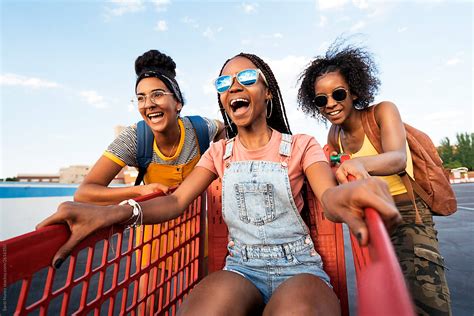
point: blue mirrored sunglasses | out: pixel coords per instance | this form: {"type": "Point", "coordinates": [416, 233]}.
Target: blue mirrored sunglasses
{"type": "Point", "coordinates": [245, 77]}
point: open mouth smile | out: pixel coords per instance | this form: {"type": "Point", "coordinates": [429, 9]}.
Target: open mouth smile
{"type": "Point", "coordinates": [156, 116]}
{"type": "Point", "coordinates": [239, 103]}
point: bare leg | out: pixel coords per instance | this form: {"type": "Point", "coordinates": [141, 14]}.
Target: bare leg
{"type": "Point", "coordinates": [303, 294]}
{"type": "Point", "coordinates": [223, 293]}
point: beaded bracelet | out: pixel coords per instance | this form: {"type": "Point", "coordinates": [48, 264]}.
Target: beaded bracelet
{"type": "Point", "coordinates": [137, 214]}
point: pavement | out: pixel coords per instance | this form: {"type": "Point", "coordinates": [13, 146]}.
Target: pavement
{"type": "Point", "coordinates": [456, 239]}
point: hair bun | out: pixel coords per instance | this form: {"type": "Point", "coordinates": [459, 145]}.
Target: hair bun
{"type": "Point", "coordinates": [155, 60]}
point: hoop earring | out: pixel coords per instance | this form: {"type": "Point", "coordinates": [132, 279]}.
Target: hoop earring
{"type": "Point", "coordinates": [271, 108]}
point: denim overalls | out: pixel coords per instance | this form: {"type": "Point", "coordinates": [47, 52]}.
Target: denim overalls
{"type": "Point", "coordinates": [268, 240]}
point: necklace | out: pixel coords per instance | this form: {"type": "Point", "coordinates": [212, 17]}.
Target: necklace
{"type": "Point", "coordinates": [174, 146]}
{"type": "Point", "coordinates": [170, 153]}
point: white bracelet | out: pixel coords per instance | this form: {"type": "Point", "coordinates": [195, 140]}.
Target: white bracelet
{"type": "Point", "coordinates": [137, 214]}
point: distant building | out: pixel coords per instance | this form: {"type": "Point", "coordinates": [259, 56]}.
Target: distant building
{"type": "Point", "coordinates": [128, 174]}
{"type": "Point", "coordinates": [77, 173]}
{"type": "Point", "coordinates": [37, 177]}
{"type": "Point", "coordinates": [73, 174]}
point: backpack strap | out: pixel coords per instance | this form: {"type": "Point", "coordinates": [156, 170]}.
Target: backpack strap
{"type": "Point", "coordinates": [144, 149]}
{"type": "Point", "coordinates": [372, 130]}
{"type": "Point", "coordinates": [333, 141]}
{"type": "Point", "coordinates": [145, 143]}
{"type": "Point", "coordinates": [202, 132]}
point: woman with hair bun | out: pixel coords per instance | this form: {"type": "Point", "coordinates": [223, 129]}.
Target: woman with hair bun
{"type": "Point", "coordinates": [175, 147]}
{"type": "Point", "coordinates": [175, 144]}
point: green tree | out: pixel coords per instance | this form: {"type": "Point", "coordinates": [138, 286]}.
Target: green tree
{"type": "Point", "coordinates": [446, 152]}
{"type": "Point", "coordinates": [465, 150]}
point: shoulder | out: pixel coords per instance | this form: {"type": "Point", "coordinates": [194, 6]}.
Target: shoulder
{"type": "Point", "coordinates": [128, 133]}
{"type": "Point", "coordinates": [209, 122]}
{"type": "Point", "coordinates": [385, 110]}
{"type": "Point", "coordinates": [217, 148]}
{"type": "Point", "coordinates": [304, 142]}
{"type": "Point", "coordinates": [302, 139]}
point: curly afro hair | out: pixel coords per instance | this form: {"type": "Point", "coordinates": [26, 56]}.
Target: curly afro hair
{"type": "Point", "coordinates": [356, 66]}
{"type": "Point", "coordinates": [153, 60]}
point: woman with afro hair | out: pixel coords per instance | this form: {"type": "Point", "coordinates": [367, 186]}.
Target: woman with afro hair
{"type": "Point", "coordinates": [337, 88]}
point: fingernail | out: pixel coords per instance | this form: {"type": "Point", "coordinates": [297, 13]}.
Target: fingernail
{"type": "Point", "coordinates": [57, 264]}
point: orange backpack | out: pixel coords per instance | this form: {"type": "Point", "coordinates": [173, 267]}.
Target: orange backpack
{"type": "Point", "coordinates": [432, 181]}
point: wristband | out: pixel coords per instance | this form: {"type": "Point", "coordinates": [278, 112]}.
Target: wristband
{"type": "Point", "coordinates": [137, 214]}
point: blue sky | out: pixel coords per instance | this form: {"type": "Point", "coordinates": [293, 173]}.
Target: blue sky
{"type": "Point", "coordinates": [67, 70]}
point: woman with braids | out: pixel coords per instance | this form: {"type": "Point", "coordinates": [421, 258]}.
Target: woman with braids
{"type": "Point", "coordinates": [272, 265]}
{"type": "Point", "coordinates": [338, 87]}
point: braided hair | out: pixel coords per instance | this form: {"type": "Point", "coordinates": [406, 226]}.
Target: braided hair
{"type": "Point", "coordinates": [278, 119]}
{"type": "Point", "coordinates": [356, 66]}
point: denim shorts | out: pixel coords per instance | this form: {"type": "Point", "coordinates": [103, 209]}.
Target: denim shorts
{"type": "Point", "coordinates": [269, 266]}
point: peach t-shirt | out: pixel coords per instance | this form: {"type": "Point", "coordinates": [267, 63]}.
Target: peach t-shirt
{"type": "Point", "coordinates": [305, 151]}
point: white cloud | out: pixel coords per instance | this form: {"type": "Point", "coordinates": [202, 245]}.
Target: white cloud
{"type": "Point", "coordinates": [208, 87]}
{"type": "Point", "coordinates": [402, 29]}
{"type": "Point", "coordinates": [131, 107]}
{"type": "Point", "coordinates": [125, 6]}
{"type": "Point", "coordinates": [455, 60]}
{"type": "Point", "coordinates": [361, 4]}
{"type": "Point", "coordinates": [287, 71]}
{"type": "Point", "coordinates": [323, 46]}
{"type": "Point", "coordinates": [210, 33]}
{"type": "Point", "coordinates": [161, 26]}
{"type": "Point", "coordinates": [277, 35]}
{"type": "Point", "coordinates": [249, 8]}
{"type": "Point", "coordinates": [442, 117]}
{"type": "Point", "coordinates": [93, 98]}
{"type": "Point", "coordinates": [190, 21]}
{"type": "Point", "coordinates": [323, 21]}
{"type": "Point", "coordinates": [245, 41]}
{"type": "Point", "coordinates": [359, 25]}
{"type": "Point", "coordinates": [161, 5]}
{"type": "Point", "coordinates": [373, 7]}
{"type": "Point", "coordinates": [31, 82]}
{"type": "Point", "coordinates": [331, 4]}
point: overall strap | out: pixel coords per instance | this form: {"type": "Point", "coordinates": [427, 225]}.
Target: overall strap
{"type": "Point", "coordinates": [371, 128]}
{"type": "Point", "coordinates": [333, 138]}
{"type": "Point", "coordinates": [285, 145]}
{"type": "Point", "coordinates": [202, 132]}
{"type": "Point", "coordinates": [229, 144]}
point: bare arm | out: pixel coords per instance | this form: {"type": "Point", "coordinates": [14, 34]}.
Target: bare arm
{"type": "Point", "coordinates": [346, 203]}
{"type": "Point", "coordinates": [94, 188]}
{"type": "Point", "coordinates": [392, 160]}
{"type": "Point", "coordinates": [83, 219]}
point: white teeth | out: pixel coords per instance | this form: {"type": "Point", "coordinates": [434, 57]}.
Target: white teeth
{"type": "Point", "coordinates": [334, 113]}
{"type": "Point", "coordinates": [158, 114]}
{"type": "Point", "coordinates": [238, 100]}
